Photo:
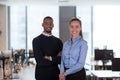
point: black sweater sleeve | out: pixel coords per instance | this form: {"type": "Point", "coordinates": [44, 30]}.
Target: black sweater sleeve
{"type": "Point", "coordinates": [57, 59]}
{"type": "Point", "coordinates": [39, 57]}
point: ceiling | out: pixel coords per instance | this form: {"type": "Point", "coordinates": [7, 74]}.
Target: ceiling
{"type": "Point", "coordinates": [61, 2]}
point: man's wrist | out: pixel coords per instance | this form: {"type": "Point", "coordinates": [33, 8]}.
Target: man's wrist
{"type": "Point", "coordinates": [48, 58]}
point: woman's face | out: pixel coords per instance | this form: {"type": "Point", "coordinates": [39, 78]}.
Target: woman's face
{"type": "Point", "coordinates": [75, 28]}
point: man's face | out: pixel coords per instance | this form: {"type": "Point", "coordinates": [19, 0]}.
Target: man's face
{"type": "Point", "coordinates": [47, 25]}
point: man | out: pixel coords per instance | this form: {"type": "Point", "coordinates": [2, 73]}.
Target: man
{"type": "Point", "coordinates": [47, 49]}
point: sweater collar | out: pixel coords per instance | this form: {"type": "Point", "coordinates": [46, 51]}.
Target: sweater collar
{"type": "Point", "coordinates": [45, 34]}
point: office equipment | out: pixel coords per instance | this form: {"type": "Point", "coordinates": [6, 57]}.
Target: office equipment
{"type": "Point", "coordinates": [31, 54]}
{"type": "Point", "coordinates": [5, 57]}
{"type": "Point", "coordinates": [116, 64]}
{"type": "Point", "coordinates": [98, 74]}
{"type": "Point", "coordinates": [103, 55]}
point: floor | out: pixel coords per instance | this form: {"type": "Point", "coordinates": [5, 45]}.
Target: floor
{"type": "Point", "coordinates": [26, 73]}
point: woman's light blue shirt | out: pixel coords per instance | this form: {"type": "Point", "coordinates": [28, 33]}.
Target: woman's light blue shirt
{"type": "Point", "coordinates": [73, 55]}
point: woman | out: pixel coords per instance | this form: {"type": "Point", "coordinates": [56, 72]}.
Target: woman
{"type": "Point", "coordinates": [74, 54]}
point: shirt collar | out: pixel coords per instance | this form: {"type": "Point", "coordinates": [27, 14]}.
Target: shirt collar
{"type": "Point", "coordinates": [76, 39]}
{"type": "Point", "coordinates": [45, 34]}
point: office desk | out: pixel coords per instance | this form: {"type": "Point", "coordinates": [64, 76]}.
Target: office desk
{"type": "Point", "coordinates": [99, 65]}
{"type": "Point", "coordinates": [97, 74]}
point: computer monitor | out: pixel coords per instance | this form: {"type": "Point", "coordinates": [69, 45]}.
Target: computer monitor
{"type": "Point", "coordinates": [103, 54]}
{"type": "Point", "coordinates": [116, 64]}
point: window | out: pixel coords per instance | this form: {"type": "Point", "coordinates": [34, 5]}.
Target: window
{"type": "Point", "coordinates": [17, 27]}
{"type": "Point", "coordinates": [106, 28]}
{"type": "Point", "coordinates": [35, 18]}
{"type": "Point", "coordinates": [26, 23]}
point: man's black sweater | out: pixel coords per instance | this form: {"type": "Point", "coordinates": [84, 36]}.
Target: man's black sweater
{"type": "Point", "coordinates": [47, 46]}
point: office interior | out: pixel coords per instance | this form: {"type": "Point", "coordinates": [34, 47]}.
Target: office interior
{"type": "Point", "coordinates": [20, 22]}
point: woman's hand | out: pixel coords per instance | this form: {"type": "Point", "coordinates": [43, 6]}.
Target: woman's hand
{"type": "Point", "coordinates": [62, 76]}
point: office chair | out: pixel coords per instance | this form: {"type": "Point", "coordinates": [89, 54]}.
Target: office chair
{"type": "Point", "coordinates": [116, 64]}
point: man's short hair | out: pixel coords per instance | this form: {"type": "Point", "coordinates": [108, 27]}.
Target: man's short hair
{"type": "Point", "coordinates": [48, 17]}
